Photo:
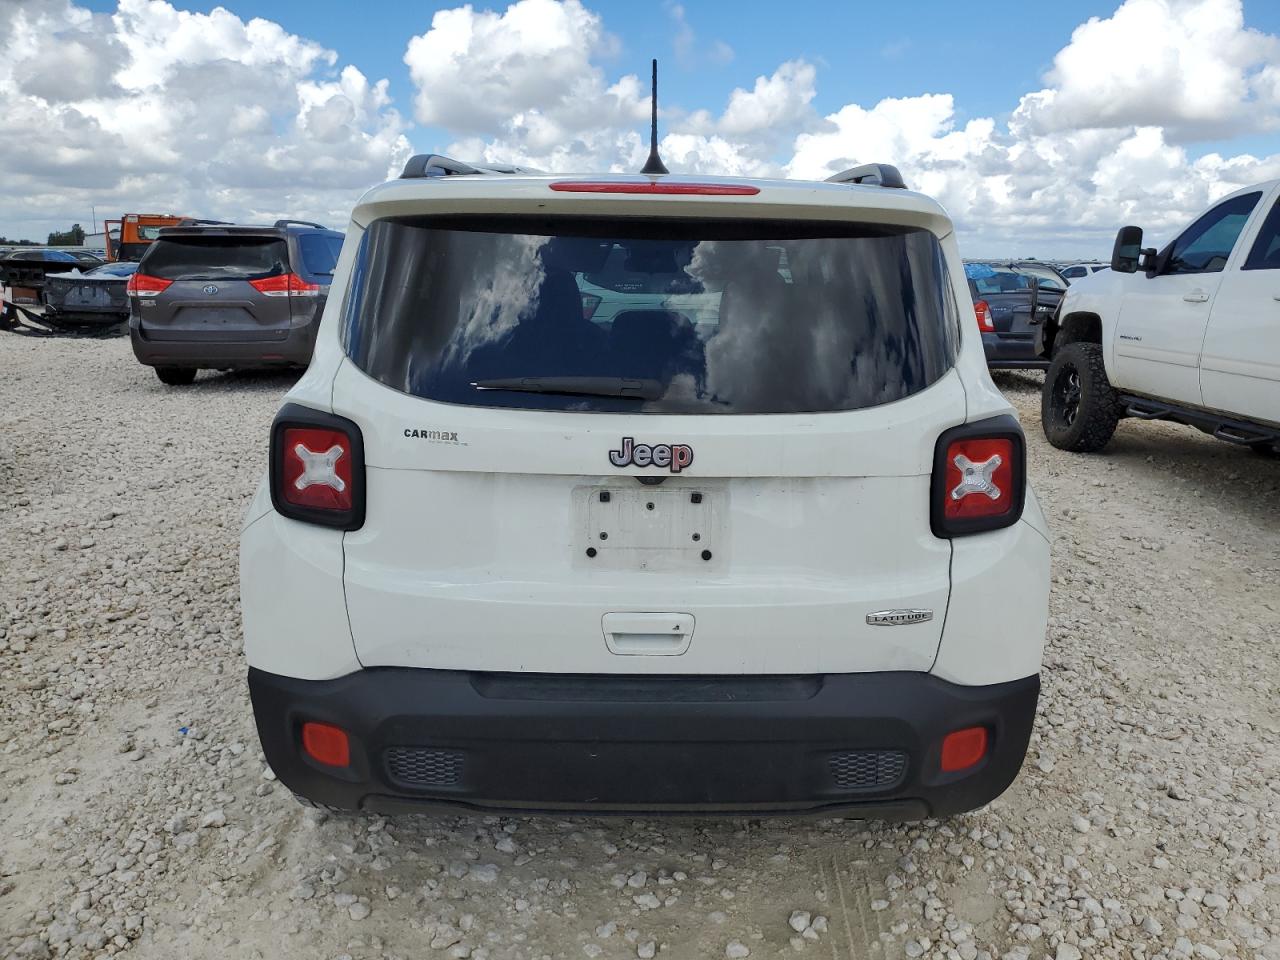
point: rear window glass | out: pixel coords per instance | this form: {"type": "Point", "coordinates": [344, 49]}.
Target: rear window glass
{"type": "Point", "coordinates": [650, 316]}
{"type": "Point", "coordinates": [987, 279]}
{"type": "Point", "coordinates": [319, 252]}
{"type": "Point", "coordinates": [216, 258]}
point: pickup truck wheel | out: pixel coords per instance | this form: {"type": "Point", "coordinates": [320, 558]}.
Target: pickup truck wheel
{"type": "Point", "coordinates": [1079, 409]}
{"type": "Point", "coordinates": [176, 376]}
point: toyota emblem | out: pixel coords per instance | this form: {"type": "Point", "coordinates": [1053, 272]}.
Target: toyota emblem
{"type": "Point", "coordinates": [210, 288]}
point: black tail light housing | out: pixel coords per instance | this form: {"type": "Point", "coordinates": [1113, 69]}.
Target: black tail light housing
{"type": "Point", "coordinates": [979, 478]}
{"type": "Point", "coordinates": [317, 468]}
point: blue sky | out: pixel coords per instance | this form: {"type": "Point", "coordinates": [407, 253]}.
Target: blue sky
{"type": "Point", "coordinates": [1040, 129]}
{"type": "Point", "coordinates": [987, 61]}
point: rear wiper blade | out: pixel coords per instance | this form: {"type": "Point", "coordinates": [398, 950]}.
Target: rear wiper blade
{"type": "Point", "coordinates": [578, 386]}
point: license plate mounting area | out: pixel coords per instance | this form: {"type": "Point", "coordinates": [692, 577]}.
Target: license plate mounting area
{"type": "Point", "coordinates": [634, 526]}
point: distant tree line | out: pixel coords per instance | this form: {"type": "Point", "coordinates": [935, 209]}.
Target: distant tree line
{"type": "Point", "coordinates": [68, 238]}
{"type": "Point", "coordinates": [65, 238]}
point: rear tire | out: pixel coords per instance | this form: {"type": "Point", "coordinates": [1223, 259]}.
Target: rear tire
{"type": "Point", "coordinates": [1079, 409]}
{"type": "Point", "coordinates": [176, 376]}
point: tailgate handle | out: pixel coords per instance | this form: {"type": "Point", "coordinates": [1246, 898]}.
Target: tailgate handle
{"type": "Point", "coordinates": [648, 634]}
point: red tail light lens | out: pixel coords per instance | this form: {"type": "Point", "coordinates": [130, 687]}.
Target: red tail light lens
{"type": "Point", "coordinates": [285, 285]}
{"type": "Point", "coordinates": [654, 187]}
{"type": "Point", "coordinates": [963, 749]}
{"type": "Point", "coordinates": [317, 468]}
{"type": "Point", "coordinates": [590, 303]}
{"type": "Point", "coordinates": [327, 744]}
{"type": "Point", "coordinates": [982, 310]}
{"type": "Point", "coordinates": [979, 478]}
{"type": "Point", "coordinates": [142, 285]}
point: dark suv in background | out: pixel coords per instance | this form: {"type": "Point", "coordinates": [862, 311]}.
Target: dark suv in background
{"type": "Point", "coordinates": [230, 297]}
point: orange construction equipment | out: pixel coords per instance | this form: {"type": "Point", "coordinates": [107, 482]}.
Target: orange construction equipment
{"type": "Point", "coordinates": [134, 232]}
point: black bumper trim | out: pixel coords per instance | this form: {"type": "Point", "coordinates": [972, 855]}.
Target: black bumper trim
{"type": "Point", "coordinates": [560, 743]}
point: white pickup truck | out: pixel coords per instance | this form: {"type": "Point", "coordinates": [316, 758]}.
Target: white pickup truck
{"type": "Point", "coordinates": [1189, 334]}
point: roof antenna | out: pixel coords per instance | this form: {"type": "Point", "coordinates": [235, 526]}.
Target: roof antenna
{"type": "Point", "coordinates": [654, 164]}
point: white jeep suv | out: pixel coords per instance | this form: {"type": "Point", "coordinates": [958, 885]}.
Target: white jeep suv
{"type": "Point", "coordinates": [1189, 334]}
{"type": "Point", "coordinates": [776, 557]}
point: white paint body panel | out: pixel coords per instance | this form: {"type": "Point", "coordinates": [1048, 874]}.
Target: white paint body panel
{"type": "Point", "coordinates": [473, 554]}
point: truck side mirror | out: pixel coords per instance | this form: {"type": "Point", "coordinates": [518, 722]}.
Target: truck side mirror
{"type": "Point", "coordinates": [1127, 251]}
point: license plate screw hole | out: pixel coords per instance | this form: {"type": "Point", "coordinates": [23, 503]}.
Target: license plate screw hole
{"type": "Point", "coordinates": [706, 554]}
{"type": "Point", "coordinates": [604, 496]}
{"type": "Point", "coordinates": [697, 536]}
{"type": "Point", "coordinates": [649, 505]}
{"type": "Point", "coordinates": [695, 498]}
{"type": "Point", "coordinates": [604, 535]}
{"type": "Point", "coordinates": [591, 551]}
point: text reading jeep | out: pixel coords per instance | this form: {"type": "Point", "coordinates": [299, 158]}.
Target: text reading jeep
{"type": "Point", "coordinates": [758, 539]}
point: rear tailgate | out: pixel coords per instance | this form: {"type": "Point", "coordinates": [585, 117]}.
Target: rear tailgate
{"type": "Point", "coordinates": [86, 295]}
{"type": "Point", "coordinates": [766, 555]}
{"type": "Point", "coordinates": [212, 293]}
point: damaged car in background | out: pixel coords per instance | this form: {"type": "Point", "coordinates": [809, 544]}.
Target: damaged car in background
{"type": "Point", "coordinates": [96, 297]}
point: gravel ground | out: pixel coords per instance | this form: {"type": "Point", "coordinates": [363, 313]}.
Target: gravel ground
{"type": "Point", "coordinates": [137, 814]}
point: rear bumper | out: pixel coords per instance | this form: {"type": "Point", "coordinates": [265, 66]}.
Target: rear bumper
{"type": "Point", "coordinates": [859, 745]}
{"type": "Point", "coordinates": [1011, 354]}
{"type": "Point", "coordinates": [293, 350]}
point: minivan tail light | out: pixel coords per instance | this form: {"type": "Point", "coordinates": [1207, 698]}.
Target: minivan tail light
{"type": "Point", "coordinates": [979, 478]}
{"type": "Point", "coordinates": [982, 311]}
{"type": "Point", "coordinates": [285, 285]}
{"type": "Point", "coordinates": [317, 468]}
{"type": "Point", "coordinates": [142, 285]}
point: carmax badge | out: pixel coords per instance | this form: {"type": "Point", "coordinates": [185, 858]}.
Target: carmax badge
{"type": "Point", "coordinates": [897, 618]}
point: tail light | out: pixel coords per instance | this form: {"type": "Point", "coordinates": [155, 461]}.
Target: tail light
{"type": "Point", "coordinates": [979, 478]}
{"type": "Point", "coordinates": [142, 285]}
{"type": "Point", "coordinates": [590, 302]}
{"type": "Point", "coordinates": [962, 749]}
{"type": "Point", "coordinates": [982, 310]}
{"type": "Point", "coordinates": [285, 285]}
{"type": "Point", "coordinates": [317, 468]}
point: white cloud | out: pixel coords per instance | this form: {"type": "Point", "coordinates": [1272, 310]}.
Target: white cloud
{"type": "Point", "coordinates": [1107, 141]}
{"type": "Point", "coordinates": [529, 69]}
{"type": "Point", "coordinates": [157, 109]}
{"type": "Point", "coordinates": [1190, 66]}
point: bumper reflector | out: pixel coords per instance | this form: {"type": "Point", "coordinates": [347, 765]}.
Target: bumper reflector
{"type": "Point", "coordinates": [961, 749]}
{"type": "Point", "coordinates": [327, 744]}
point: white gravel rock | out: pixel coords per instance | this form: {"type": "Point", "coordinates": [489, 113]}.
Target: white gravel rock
{"type": "Point", "coordinates": [135, 643]}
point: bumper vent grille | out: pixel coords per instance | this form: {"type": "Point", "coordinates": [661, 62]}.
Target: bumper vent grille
{"type": "Point", "coordinates": [424, 766]}
{"type": "Point", "coordinates": [868, 769]}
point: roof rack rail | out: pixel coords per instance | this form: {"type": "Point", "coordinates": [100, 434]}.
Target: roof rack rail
{"type": "Point", "coordinates": [197, 222]}
{"type": "Point", "coordinates": [872, 174]}
{"type": "Point", "coordinates": [301, 223]}
{"type": "Point", "coordinates": [434, 165]}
